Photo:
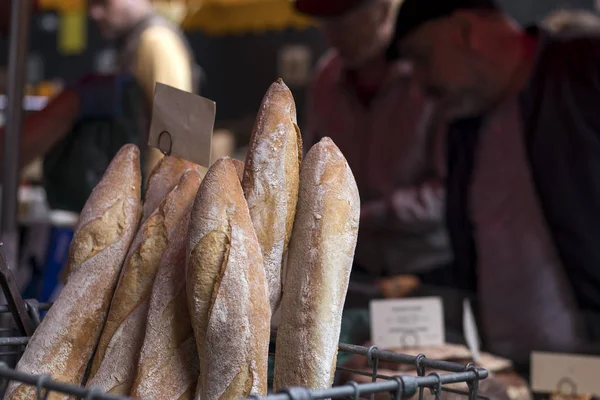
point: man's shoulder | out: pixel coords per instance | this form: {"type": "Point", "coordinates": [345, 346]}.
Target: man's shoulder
{"type": "Point", "coordinates": [328, 68]}
{"type": "Point", "coordinates": [574, 42]}
{"type": "Point", "coordinates": [571, 53]}
{"type": "Point", "coordinates": [160, 35]}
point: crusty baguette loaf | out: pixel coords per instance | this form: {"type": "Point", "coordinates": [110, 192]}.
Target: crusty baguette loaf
{"type": "Point", "coordinates": [318, 270]}
{"type": "Point", "coordinates": [168, 365]}
{"type": "Point", "coordinates": [114, 364]}
{"type": "Point", "coordinates": [271, 178]}
{"type": "Point", "coordinates": [239, 168]}
{"type": "Point", "coordinates": [63, 344]}
{"type": "Point", "coordinates": [163, 179]}
{"type": "Point", "coordinates": [226, 290]}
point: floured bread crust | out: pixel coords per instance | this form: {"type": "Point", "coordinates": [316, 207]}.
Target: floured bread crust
{"type": "Point", "coordinates": [163, 179]}
{"type": "Point", "coordinates": [227, 291]}
{"type": "Point", "coordinates": [63, 344]}
{"type": "Point", "coordinates": [271, 177]}
{"type": "Point", "coordinates": [168, 365]}
{"type": "Point", "coordinates": [317, 271]}
{"type": "Point", "coordinates": [239, 168]}
{"type": "Point", "coordinates": [114, 364]}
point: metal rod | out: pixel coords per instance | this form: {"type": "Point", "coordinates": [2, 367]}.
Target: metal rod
{"type": "Point", "coordinates": [14, 341]}
{"type": "Point", "coordinates": [53, 385]}
{"type": "Point", "coordinates": [17, 58]}
{"type": "Point", "coordinates": [385, 355]}
{"type": "Point", "coordinates": [387, 377]}
{"type": "Point", "coordinates": [405, 359]}
{"type": "Point", "coordinates": [343, 391]}
{"type": "Point", "coordinates": [42, 307]}
{"type": "Point", "coordinates": [33, 307]}
{"type": "Point", "coordinates": [15, 302]}
{"type": "Point", "coordinates": [410, 385]}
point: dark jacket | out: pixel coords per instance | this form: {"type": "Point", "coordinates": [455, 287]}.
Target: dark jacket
{"type": "Point", "coordinates": [560, 110]}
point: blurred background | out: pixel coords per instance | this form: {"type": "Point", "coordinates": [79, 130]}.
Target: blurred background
{"type": "Point", "coordinates": [242, 46]}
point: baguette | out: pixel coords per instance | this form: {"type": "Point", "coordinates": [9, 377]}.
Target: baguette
{"type": "Point", "coordinates": [114, 364]}
{"type": "Point", "coordinates": [163, 179]}
{"type": "Point", "coordinates": [168, 364]}
{"type": "Point", "coordinates": [63, 344]}
{"type": "Point", "coordinates": [318, 270]}
{"type": "Point", "coordinates": [239, 168]}
{"type": "Point", "coordinates": [226, 290]}
{"type": "Point", "coordinates": [271, 178]}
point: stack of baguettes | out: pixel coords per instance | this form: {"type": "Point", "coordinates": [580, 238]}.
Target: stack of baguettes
{"type": "Point", "coordinates": [172, 297]}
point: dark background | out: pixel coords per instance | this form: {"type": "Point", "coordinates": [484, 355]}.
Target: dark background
{"type": "Point", "coordinates": [238, 68]}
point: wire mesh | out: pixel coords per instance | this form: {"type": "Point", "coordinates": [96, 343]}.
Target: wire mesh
{"type": "Point", "coordinates": [398, 387]}
{"type": "Point", "coordinates": [33, 308]}
{"type": "Point", "coordinates": [26, 315]}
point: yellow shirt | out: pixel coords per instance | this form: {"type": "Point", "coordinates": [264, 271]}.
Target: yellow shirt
{"type": "Point", "coordinates": [161, 57]}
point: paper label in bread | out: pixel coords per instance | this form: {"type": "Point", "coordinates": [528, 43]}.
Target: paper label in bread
{"type": "Point", "coordinates": [568, 374]}
{"type": "Point", "coordinates": [182, 124]}
{"type": "Point", "coordinates": [405, 323]}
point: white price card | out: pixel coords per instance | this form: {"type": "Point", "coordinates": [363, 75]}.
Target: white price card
{"type": "Point", "coordinates": [401, 323]}
{"type": "Point", "coordinates": [565, 373]}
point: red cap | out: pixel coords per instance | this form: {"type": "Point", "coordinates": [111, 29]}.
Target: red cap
{"type": "Point", "coordinates": [326, 8]}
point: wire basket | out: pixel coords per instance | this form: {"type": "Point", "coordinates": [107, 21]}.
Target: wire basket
{"type": "Point", "coordinates": [398, 387]}
{"type": "Point", "coordinates": [26, 317]}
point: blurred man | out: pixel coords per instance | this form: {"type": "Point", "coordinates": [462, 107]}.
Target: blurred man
{"type": "Point", "coordinates": [523, 155]}
{"type": "Point", "coordinates": [388, 133]}
{"type": "Point", "coordinates": [150, 48]}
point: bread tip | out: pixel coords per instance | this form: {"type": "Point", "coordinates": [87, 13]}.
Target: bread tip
{"type": "Point", "coordinates": [279, 84]}
{"type": "Point", "coordinates": [327, 143]}
{"type": "Point", "coordinates": [127, 156]}
{"type": "Point", "coordinates": [187, 173]}
{"type": "Point", "coordinates": [191, 176]}
{"type": "Point", "coordinates": [326, 149]}
{"type": "Point", "coordinates": [224, 163]}
{"type": "Point", "coordinates": [130, 148]}
{"type": "Point", "coordinates": [222, 160]}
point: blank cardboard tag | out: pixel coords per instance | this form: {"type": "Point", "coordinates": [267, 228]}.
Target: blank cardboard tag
{"type": "Point", "coordinates": [568, 374]}
{"type": "Point", "coordinates": [182, 124]}
{"type": "Point", "coordinates": [402, 323]}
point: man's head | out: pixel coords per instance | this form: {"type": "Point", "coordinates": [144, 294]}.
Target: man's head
{"type": "Point", "coordinates": [463, 51]}
{"type": "Point", "coordinates": [359, 30]}
{"type": "Point", "coordinates": [115, 17]}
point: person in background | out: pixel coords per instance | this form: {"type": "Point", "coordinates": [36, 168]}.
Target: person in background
{"type": "Point", "coordinates": [572, 22]}
{"type": "Point", "coordinates": [150, 48]}
{"type": "Point", "coordinates": [389, 134]}
{"type": "Point", "coordinates": [92, 96]}
{"type": "Point", "coordinates": [523, 152]}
